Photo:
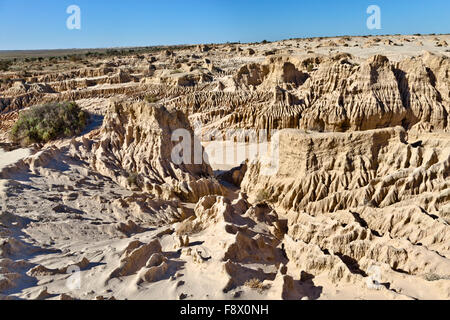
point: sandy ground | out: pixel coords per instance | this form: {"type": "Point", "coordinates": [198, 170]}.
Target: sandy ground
{"type": "Point", "coordinates": [58, 239]}
{"type": "Point", "coordinates": [8, 158]}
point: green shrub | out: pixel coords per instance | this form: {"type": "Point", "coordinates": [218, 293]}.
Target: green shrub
{"type": "Point", "coordinates": [132, 179]}
{"type": "Point", "coordinates": [151, 98]}
{"type": "Point", "coordinates": [49, 122]}
{"type": "Point", "coordinates": [435, 277]}
{"type": "Point", "coordinates": [262, 195]}
{"type": "Point", "coordinates": [4, 65]}
{"type": "Point", "coordinates": [75, 58]}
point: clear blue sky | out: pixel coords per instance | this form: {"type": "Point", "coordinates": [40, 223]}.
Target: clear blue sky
{"type": "Point", "coordinates": [41, 24]}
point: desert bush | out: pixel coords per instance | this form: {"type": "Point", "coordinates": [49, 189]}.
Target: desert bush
{"type": "Point", "coordinates": [444, 212]}
{"type": "Point", "coordinates": [435, 277]}
{"type": "Point", "coordinates": [75, 58]}
{"type": "Point", "coordinates": [132, 179]}
{"type": "Point", "coordinates": [262, 195]}
{"type": "Point", "coordinates": [256, 284]}
{"type": "Point", "coordinates": [4, 65]}
{"type": "Point", "coordinates": [151, 98]}
{"type": "Point", "coordinates": [49, 122]}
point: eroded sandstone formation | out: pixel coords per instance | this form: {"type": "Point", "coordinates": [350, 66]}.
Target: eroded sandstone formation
{"type": "Point", "coordinates": [136, 141]}
{"type": "Point", "coordinates": [352, 201]}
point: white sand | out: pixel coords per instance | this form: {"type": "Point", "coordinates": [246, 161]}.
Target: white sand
{"type": "Point", "coordinates": [9, 158]}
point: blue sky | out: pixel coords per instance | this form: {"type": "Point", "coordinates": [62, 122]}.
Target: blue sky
{"type": "Point", "coordinates": [41, 24]}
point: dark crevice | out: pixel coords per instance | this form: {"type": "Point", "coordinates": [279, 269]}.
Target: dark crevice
{"type": "Point", "coordinates": [351, 264]}
{"type": "Point", "coordinates": [432, 216]}
{"type": "Point", "coordinates": [363, 223]}
{"type": "Point", "coordinates": [403, 87]}
{"type": "Point", "coordinates": [432, 77]}
{"type": "Point", "coordinates": [358, 219]}
{"type": "Point", "coordinates": [417, 144]}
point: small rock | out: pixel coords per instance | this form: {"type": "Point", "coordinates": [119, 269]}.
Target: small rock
{"type": "Point", "coordinates": [43, 294]}
{"type": "Point", "coordinates": [65, 297]}
{"type": "Point", "coordinates": [182, 296]}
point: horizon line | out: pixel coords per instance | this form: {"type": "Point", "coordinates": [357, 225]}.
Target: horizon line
{"type": "Point", "coordinates": [219, 43]}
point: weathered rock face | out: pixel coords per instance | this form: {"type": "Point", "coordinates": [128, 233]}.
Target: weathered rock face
{"type": "Point", "coordinates": [326, 172]}
{"type": "Point", "coordinates": [374, 246]}
{"type": "Point", "coordinates": [252, 75]}
{"type": "Point", "coordinates": [361, 206]}
{"type": "Point", "coordinates": [342, 96]}
{"type": "Point", "coordinates": [135, 149]}
{"type": "Point", "coordinates": [361, 200]}
{"type": "Point", "coordinates": [135, 257]}
{"type": "Point", "coordinates": [335, 93]}
{"type": "Point", "coordinates": [424, 85]}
